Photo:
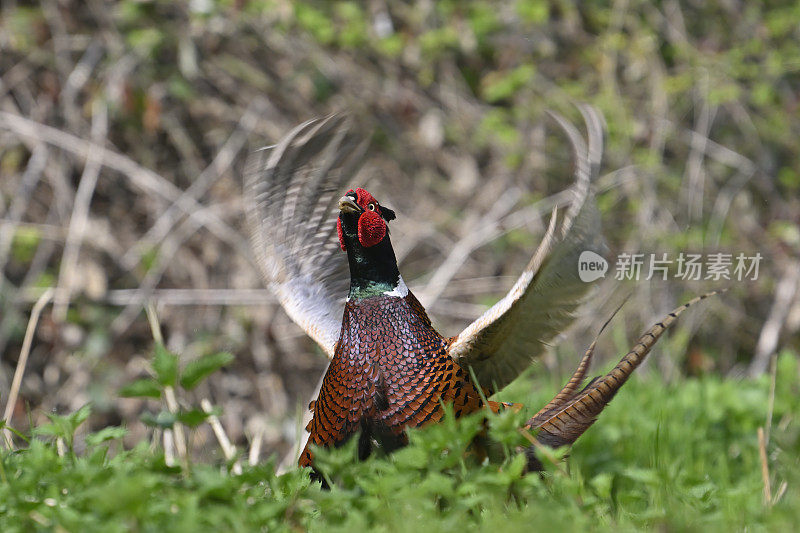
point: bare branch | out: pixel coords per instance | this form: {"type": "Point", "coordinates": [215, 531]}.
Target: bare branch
{"type": "Point", "coordinates": [139, 176]}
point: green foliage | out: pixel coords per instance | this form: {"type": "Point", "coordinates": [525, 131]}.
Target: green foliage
{"type": "Point", "coordinates": [684, 457]}
{"type": "Point", "coordinates": [141, 388]}
{"type": "Point", "coordinates": [194, 417]}
{"type": "Point", "coordinates": [24, 244]}
{"type": "Point", "coordinates": [535, 11]}
{"type": "Point", "coordinates": [63, 427]}
{"type": "Point", "coordinates": [145, 41]}
{"type": "Point", "coordinates": [199, 369]}
{"type": "Point", "coordinates": [315, 22]}
{"type": "Point", "coordinates": [106, 434]}
{"type": "Point", "coordinates": [675, 457]}
{"type": "Point", "coordinates": [499, 86]}
{"type": "Point", "coordinates": [24, 21]}
{"type": "Point", "coordinates": [163, 419]}
{"type": "Point", "coordinates": [165, 365]}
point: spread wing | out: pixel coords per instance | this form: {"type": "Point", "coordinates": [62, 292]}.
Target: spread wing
{"type": "Point", "coordinates": [508, 336]}
{"type": "Point", "coordinates": [291, 190]}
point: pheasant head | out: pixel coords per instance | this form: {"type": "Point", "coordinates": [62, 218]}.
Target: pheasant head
{"type": "Point", "coordinates": [363, 231]}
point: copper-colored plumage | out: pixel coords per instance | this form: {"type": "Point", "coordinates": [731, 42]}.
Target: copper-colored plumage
{"type": "Point", "coordinates": [390, 370]}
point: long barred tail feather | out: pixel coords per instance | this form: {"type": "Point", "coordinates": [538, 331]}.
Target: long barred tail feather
{"type": "Point", "coordinates": [571, 412]}
{"type": "Point", "coordinates": [571, 389]}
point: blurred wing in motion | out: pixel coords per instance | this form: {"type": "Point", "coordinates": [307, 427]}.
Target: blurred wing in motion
{"type": "Point", "coordinates": [507, 337]}
{"type": "Point", "coordinates": [291, 190]}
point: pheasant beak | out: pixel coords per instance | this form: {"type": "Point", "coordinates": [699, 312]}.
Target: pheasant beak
{"type": "Point", "coordinates": [348, 205]}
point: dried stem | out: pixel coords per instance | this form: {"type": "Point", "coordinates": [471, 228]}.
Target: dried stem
{"type": "Point", "coordinates": [169, 391]}
{"type": "Point", "coordinates": [762, 450]}
{"type": "Point", "coordinates": [228, 449]}
{"type": "Point", "coordinates": [255, 447]}
{"type": "Point", "coordinates": [139, 176]}
{"type": "Point", "coordinates": [23, 361]}
{"type": "Point", "coordinates": [80, 212]}
{"type": "Point", "coordinates": [770, 333]}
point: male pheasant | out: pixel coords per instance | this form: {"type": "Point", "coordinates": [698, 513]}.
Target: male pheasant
{"type": "Point", "coordinates": [390, 369]}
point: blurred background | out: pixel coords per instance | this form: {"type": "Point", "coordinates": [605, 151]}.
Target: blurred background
{"type": "Point", "coordinates": [125, 126]}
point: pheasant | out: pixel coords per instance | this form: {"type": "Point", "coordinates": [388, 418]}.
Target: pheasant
{"type": "Point", "coordinates": [390, 369]}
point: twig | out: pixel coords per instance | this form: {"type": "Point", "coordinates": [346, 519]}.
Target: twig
{"type": "Point", "coordinates": [773, 377]}
{"type": "Point", "coordinates": [717, 152]}
{"type": "Point", "coordinates": [188, 297]}
{"type": "Point", "coordinates": [58, 29]}
{"type": "Point", "coordinates": [770, 332]}
{"type": "Point", "coordinates": [80, 212]}
{"type": "Point", "coordinates": [61, 447]}
{"type": "Point", "coordinates": [762, 450]}
{"type": "Point", "coordinates": [152, 319]}
{"type": "Point", "coordinates": [77, 79]}
{"type": "Point", "coordinates": [141, 177]}
{"type": "Point", "coordinates": [723, 202]}
{"type": "Point", "coordinates": [255, 447]}
{"type": "Point", "coordinates": [180, 439]}
{"type": "Point", "coordinates": [173, 297]}
{"type": "Point", "coordinates": [169, 392]}
{"type": "Point", "coordinates": [221, 162]}
{"type": "Point", "coordinates": [45, 231]}
{"type": "Point", "coordinates": [23, 361]}
{"type": "Point", "coordinates": [148, 283]}
{"type": "Point", "coordinates": [694, 167]}
{"type": "Point", "coordinates": [169, 447]}
{"type": "Point", "coordinates": [228, 449]}
{"type": "Point", "coordinates": [781, 491]}
{"type": "Point", "coordinates": [30, 178]}
{"type": "Point", "coordinates": [479, 233]}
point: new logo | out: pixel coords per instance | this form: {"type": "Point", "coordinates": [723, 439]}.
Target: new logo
{"type": "Point", "coordinates": [591, 266]}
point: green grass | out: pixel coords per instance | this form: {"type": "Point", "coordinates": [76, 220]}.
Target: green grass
{"type": "Point", "coordinates": [675, 457]}
{"type": "Point", "coordinates": [682, 456]}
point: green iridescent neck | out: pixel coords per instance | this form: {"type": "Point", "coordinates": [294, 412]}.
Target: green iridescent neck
{"type": "Point", "coordinates": [373, 270]}
{"type": "Point", "coordinates": [368, 289]}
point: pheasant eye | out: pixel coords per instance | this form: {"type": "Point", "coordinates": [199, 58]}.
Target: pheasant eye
{"type": "Point", "coordinates": [371, 207]}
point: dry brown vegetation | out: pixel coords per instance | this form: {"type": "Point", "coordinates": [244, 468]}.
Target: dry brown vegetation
{"type": "Point", "coordinates": [124, 128]}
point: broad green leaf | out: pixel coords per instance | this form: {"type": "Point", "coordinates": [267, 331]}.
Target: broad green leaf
{"type": "Point", "coordinates": [201, 368]}
{"type": "Point", "coordinates": [54, 429]}
{"type": "Point", "coordinates": [165, 365]}
{"type": "Point", "coordinates": [141, 388]}
{"type": "Point", "coordinates": [105, 434]}
{"type": "Point", "coordinates": [64, 426]}
{"type": "Point", "coordinates": [79, 417]}
{"type": "Point", "coordinates": [164, 419]}
{"type": "Point", "coordinates": [193, 418]}
{"type": "Point", "coordinates": [517, 467]}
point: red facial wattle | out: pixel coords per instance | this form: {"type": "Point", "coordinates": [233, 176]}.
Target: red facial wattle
{"type": "Point", "coordinates": [371, 229]}
{"type": "Point", "coordinates": [371, 225]}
